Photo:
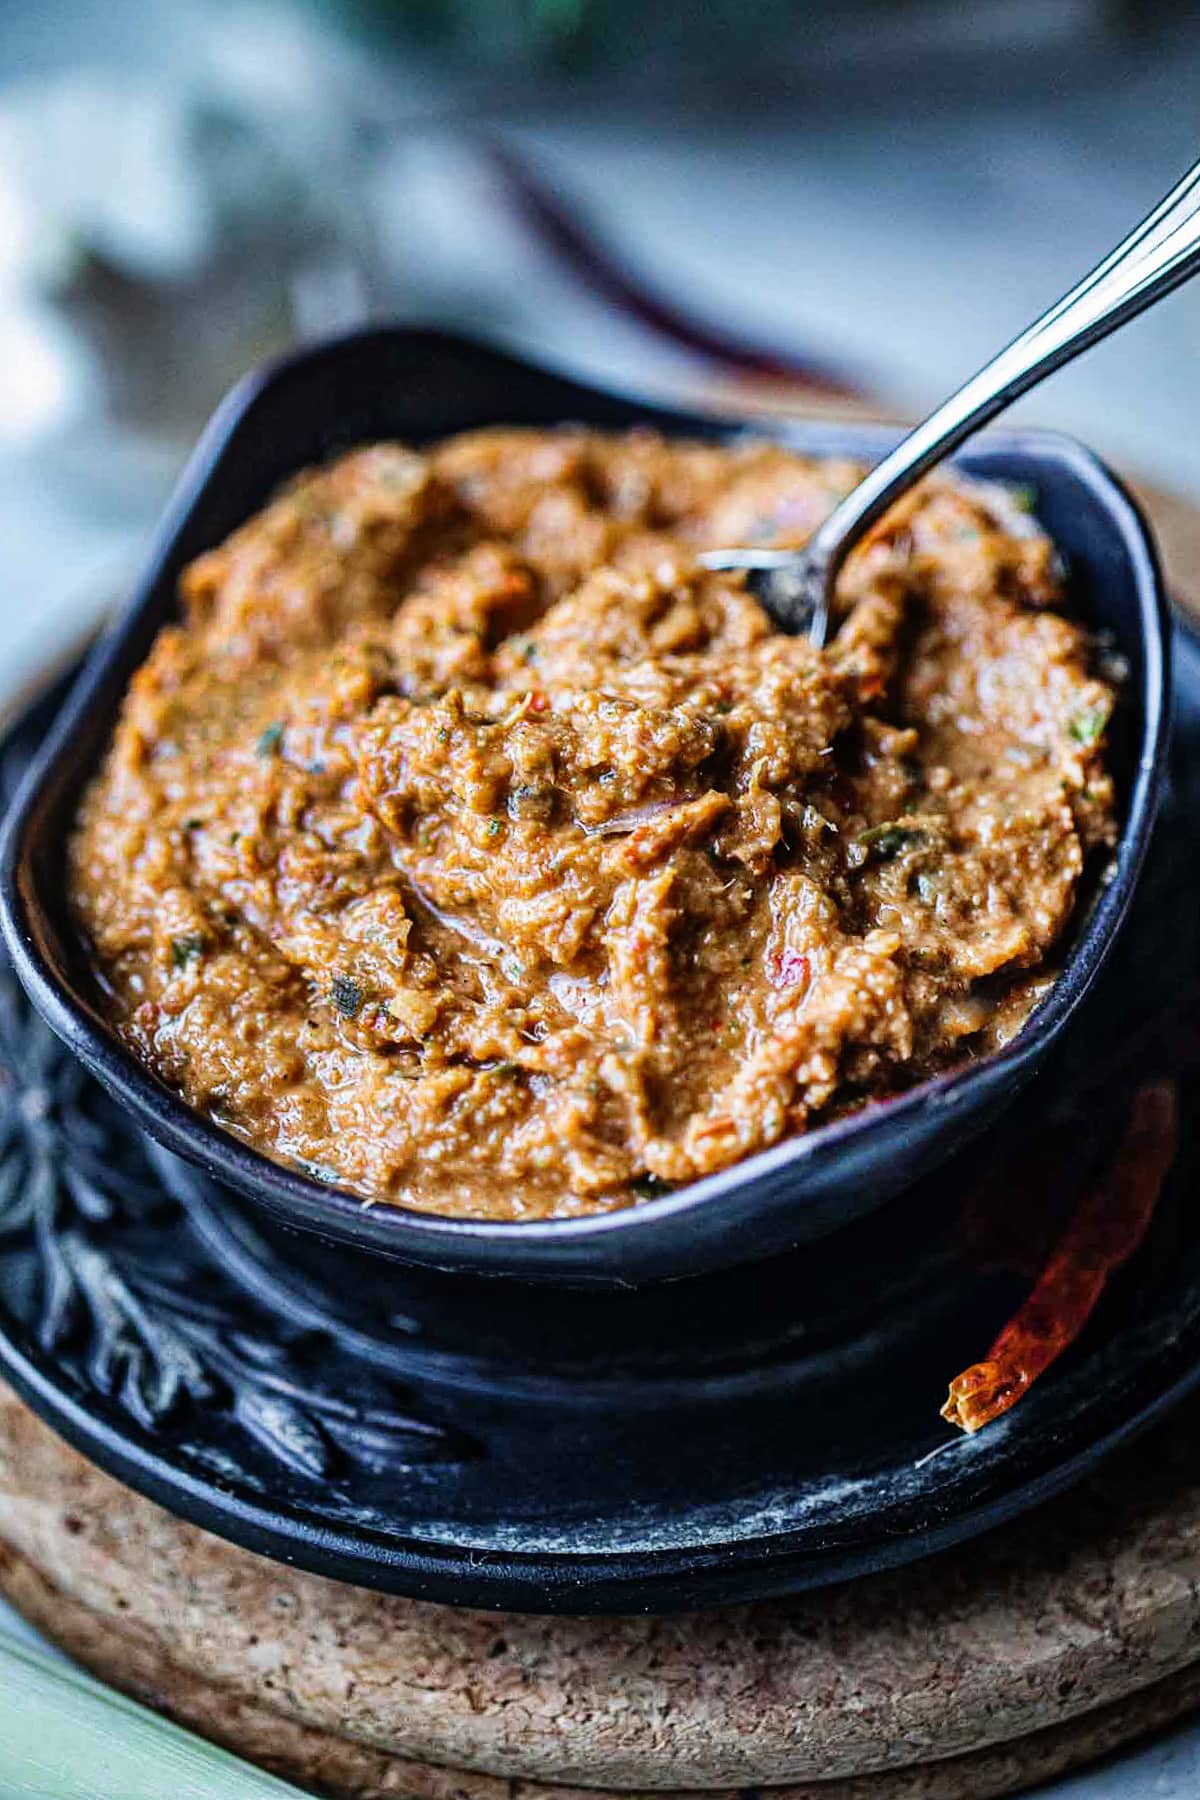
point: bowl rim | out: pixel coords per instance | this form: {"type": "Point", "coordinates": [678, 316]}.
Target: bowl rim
{"type": "Point", "coordinates": [596, 1247]}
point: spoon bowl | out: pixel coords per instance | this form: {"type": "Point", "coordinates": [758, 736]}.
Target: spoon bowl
{"type": "Point", "coordinates": [1157, 256]}
{"type": "Point", "coordinates": [421, 385]}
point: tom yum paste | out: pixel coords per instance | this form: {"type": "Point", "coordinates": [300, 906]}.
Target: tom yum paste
{"type": "Point", "coordinates": [470, 847]}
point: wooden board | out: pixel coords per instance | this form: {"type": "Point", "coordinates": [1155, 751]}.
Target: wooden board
{"type": "Point", "coordinates": [972, 1674]}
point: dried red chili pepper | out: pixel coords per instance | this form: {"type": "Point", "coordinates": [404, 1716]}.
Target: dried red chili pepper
{"type": "Point", "coordinates": [1104, 1233]}
{"type": "Point", "coordinates": [789, 969]}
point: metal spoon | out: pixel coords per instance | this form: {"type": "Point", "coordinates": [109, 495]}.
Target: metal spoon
{"type": "Point", "coordinates": [1157, 256]}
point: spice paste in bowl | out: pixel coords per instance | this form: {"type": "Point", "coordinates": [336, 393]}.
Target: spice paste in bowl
{"type": "Point", "coordinates": [470, 847]}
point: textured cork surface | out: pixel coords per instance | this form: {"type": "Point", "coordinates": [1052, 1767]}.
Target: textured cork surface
{"type": "Point", "coordinates": [1017, 1655]}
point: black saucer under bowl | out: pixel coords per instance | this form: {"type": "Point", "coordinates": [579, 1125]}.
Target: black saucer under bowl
{"type": "Point", "coordinates": [493, 1443]}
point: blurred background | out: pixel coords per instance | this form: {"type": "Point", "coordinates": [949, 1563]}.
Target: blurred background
{"type": "Point", "coordinates": [745, 201]}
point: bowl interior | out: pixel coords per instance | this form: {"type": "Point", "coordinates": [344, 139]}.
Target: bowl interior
{"type": "Point", "coordinates": [423, 385]}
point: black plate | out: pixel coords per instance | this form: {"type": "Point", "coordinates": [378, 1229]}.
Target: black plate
{"type": "Point", "coordinates": [420, 385]}
{"type": "Point", "coordinates": [494, 1444]}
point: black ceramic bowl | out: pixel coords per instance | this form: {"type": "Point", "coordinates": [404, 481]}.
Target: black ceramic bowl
{"type": "Point", "coordinates": [420, 385]}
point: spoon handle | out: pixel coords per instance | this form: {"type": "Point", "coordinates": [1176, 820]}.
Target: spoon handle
{"type": "Point", "coordinates": [1159, 254]}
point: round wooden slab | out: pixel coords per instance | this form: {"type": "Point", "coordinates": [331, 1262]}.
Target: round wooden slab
{"type": "Point", "coordinates": [1051, 1641]}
